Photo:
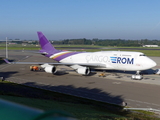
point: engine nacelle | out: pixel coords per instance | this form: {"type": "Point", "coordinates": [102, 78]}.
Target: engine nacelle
{"type": "Point", "coordinates": [83, 70]}
{"type": "Point", "coordinates": [50, 69]}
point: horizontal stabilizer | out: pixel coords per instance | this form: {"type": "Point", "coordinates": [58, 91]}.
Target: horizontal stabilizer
{"type": "Point", "coordinates": [7, 61]}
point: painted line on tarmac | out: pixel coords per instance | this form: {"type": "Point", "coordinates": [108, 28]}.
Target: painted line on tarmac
{"type": "Point", "coordinates": [147, 103]}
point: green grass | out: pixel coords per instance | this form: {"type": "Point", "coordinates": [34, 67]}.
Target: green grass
{"type": "Point", "coordinates": [149, 52]}
{"type": "Point", "coordinates": [96, 46]}
{"type": "Point", "coordinates": [155, 53]}
{"type": "Point", "coordinates": [20, 48]}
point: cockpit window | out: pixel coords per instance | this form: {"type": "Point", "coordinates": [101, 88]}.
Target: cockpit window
{"type": "Point", "coordinates": [142, 55]}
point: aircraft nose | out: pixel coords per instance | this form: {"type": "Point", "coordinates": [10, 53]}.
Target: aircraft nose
{"type": "Point", "coordinates": [153, 64]}
{"type": "Point", "coordinates": [149, 63]}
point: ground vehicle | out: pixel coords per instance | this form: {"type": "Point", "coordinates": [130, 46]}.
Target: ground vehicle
{"type": "Point", "coordinates": [102, 75]}
{"type": "Point", "coordinates": [34, 68]}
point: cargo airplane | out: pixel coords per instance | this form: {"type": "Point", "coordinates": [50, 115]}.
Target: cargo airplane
{"type": "Point", "coordinates": [83, 62]}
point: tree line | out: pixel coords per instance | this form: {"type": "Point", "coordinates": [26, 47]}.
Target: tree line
{"type": "Point", "coordinates": [99, 42]}
{"type": "Point", "coordinates": [108, 42]}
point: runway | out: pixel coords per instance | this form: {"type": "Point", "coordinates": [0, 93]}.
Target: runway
{"type": "Point", "coordinates": [114, 88]}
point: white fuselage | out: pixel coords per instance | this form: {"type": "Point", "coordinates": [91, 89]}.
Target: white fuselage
{"type": "Point", "coordinates": [113, 60]}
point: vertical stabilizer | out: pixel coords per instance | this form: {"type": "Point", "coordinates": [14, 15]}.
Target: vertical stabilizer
{"type": "Point", "coordinates": [46, 46]}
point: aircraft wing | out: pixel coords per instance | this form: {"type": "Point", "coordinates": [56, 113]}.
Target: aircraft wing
{"type": "Point", "coordinates": [67, 64]}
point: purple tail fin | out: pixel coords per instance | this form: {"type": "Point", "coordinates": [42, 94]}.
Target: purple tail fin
{"type": "Point", "coordinates": [46, 46]}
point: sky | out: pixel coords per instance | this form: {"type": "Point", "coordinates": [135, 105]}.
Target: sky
{"type": "Point", "coordinates": [72, 19]}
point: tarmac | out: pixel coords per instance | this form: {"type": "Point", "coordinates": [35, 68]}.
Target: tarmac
{"type": "Point", "coordinates": [116, 87]}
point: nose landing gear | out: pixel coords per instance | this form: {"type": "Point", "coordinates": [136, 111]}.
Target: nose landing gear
{"type": "Point", "coordinates": [137, 76]}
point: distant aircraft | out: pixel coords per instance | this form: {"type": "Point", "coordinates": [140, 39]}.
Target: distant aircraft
{"type": "Point", "coordinates": [83, 62]}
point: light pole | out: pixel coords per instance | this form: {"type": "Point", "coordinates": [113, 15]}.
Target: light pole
{"type": "Point", "coordinates": [6, 49]}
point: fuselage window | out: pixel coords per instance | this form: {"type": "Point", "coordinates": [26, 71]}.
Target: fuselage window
{"type": "Point", "coordinates": [142, 55]}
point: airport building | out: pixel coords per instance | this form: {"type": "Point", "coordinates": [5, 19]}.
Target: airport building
{"type": "Point", "coordinates": [150, 45]}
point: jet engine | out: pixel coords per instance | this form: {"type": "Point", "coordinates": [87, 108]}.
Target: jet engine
{"type": "Point", "coordinates": [50, 69]}
{"type": "Point", "coordinates": [83, 70]}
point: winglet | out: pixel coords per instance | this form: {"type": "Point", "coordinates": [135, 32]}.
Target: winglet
{"type": "Point", "coordinates": [7, 61]}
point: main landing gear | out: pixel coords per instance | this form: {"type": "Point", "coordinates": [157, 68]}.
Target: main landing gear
{"type": "Point", "coordinates": [137, 76]}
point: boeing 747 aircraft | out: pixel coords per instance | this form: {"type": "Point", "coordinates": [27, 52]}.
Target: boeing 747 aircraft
{"type": "Point", "coordinates": [83, 62]}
